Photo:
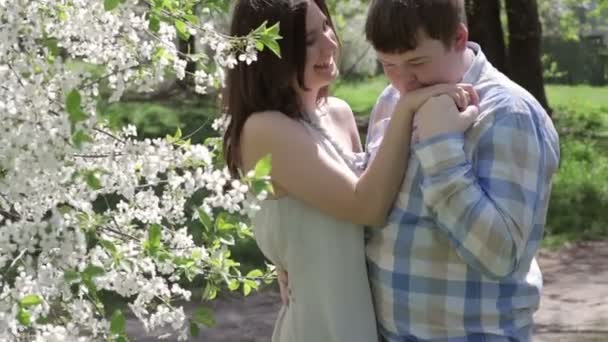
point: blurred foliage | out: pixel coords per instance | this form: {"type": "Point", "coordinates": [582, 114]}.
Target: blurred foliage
{"type": "Point", "coordinates": [159, 118]}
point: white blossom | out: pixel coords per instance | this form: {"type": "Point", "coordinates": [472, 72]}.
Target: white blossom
{"type": "Point", "coordinates": [221, 124]}
{"type": "Point", "coordinates": [85, 208]}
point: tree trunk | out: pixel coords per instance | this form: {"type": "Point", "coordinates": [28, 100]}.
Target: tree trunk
{"type": "Point", "coordinates": [485, 29]}
{"type": "Point", "coordinates": [524, 48]}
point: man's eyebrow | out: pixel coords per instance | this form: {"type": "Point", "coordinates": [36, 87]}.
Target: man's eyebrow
{"type": "Point", "coordinates": [411, 60]}
{"type": "Point", "coordinates": [416, 59]}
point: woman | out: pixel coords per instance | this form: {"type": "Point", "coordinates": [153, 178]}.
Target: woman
{"type": "Point", "coordinates": [313, 225]}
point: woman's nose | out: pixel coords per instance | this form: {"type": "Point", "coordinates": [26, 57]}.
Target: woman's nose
{"type": "Point", "coordinates": [330, 39]}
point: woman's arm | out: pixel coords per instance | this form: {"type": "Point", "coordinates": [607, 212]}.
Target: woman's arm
{"type": "Point", "coordinates": [304, 170]}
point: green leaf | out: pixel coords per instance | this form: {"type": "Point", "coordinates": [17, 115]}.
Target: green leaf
{"type": "Point", "coordinates": [80, 137]}
{"type": "Point", "coordinates": [154, 235]}
{"type": "Point", "coordinates": [196, 254]}
{"type": "Point", "coordinates": [117, 323]}
{"type": "Point", "coordinates": [62, 15]}
{"type": "Point", "coordinates": [92, 271]}
{"type": "Point", "coordinates": [249, 285]}
{"type": "Point", "coordinates": [210, 292]}
{"type": "Point", "coordinates": [73, 104]}
{"type": "Point", "coordinates": [269, 38]}
{"type": "Point", "coordinates": [126, 264]}
{"type": "Point", "coordinates": [274, 30]}
{"type": "Point", "coordinates": [233, 285]}
{"type": "Point", "coordinates": [257, 186]}
{"type": "Point", "coordinates": [194, 329]}
{"type": "Point", "coordinates": [254, 274]}
{"type": "Point", "coordinates": [222, 224]}
{"type": "Point", "coordinates": [109, 5]}
{"type": "Point", "coordinates": [153, 244]}
{"type": "Point", "coordinates": [92, 181]}
{"type": "Point", "coordinates": [30, 300]}
{"type": "Point", "coordinates": [73, 101]}
{"type": "Point", "coordinates": [159, 54]}
{"type": "Point", "coordinates": [261, 29]}
{"type": "Point", "coordinates": [192, 19]}
{"type": "Point", "coordinates": [24, 317]}
{"type": "Point", "coordinates": [176, 138]}
{"type": "Point", "coordinates": [109, 246]}
{"type": "Point", "coordinates": [182, 30]}
{"type": "Point", "coordinates": [51, 44]}
{"type": "Point", "coordinates": [70, 276]}
{"type": "Point", "coordinates": [205, 220]}
{"type": "Point", "coordinates": [259, 46]}
{"type": "Point", "coordinates": [204, 316]}
{"type": "Point", "coordinates": [181, 261]}
{"type": "Point", "coordinates": [263, 166]}
{"type": "Point", "coordinates": [274, 47]}
{"type": "Point", "coordinates": [154, 23]}
{"type": "Point", "coordinates": [227, 240]}
{"type": "Point", "coordinates": [246, 289]}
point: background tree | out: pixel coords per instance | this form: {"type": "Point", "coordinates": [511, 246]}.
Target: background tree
{"type": "Point", "coordinates": [524, 47]}
{"type": "Point", "coordinates": [486, 29]}
{"type": "Point", "coordinates": [521, 60]}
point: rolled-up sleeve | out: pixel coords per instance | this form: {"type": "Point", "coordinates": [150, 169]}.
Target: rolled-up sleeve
{"type": "Point", "coordinates": [486, 209]}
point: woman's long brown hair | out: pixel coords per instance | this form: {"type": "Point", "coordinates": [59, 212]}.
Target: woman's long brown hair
{"type": "Point", "coordinates": [268, 83]}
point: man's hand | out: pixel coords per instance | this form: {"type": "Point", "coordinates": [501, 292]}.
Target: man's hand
{"type": "Point", "coordinates": [284, 286]}
{"type": "Point", "coordinates": [441, 115]}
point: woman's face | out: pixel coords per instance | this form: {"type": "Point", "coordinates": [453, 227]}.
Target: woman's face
{"type": "Point", "coordinates": [321, 48]}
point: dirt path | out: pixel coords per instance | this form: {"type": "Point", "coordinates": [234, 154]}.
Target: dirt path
{"type": "Point", "coordinates": [574, 305]}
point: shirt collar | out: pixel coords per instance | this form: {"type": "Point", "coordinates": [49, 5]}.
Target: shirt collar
{"type": "Point", "coordinates": [473, 74]}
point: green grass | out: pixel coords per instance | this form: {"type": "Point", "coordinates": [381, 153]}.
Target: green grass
{"type": "Point", "coordinates": [361, 94]}
{"type": "Point", "coordinates": [570, 96]}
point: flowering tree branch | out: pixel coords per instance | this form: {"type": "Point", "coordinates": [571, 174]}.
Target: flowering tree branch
{"type": "Point", "coordinates": [87, 210]}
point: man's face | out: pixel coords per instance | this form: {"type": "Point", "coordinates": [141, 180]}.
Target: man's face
{"type": "Point", "coordinates": [431, 62]}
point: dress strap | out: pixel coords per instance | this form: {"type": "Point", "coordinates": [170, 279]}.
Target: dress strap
{"type": "Point", "coordinates": [356, 161]}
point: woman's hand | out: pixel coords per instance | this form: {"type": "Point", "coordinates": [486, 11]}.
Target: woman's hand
{"type": "Point", "coordinates": [443, 114]}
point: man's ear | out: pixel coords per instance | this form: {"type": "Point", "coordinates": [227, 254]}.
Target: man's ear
{"type": "Point", "coordinates": [462, 37]}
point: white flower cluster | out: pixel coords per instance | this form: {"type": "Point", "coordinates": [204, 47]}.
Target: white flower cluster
{"type": "Point", "coordinates": [221, 124]}
{"type": "Point", "coordinates": [85, 209]}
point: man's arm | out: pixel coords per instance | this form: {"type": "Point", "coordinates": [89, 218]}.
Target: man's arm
{"type": "Point", "coordinates": [487, 211]}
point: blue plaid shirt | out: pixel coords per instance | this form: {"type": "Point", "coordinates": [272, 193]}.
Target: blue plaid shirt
{"type": "Point", "coordinates": [455, 261]}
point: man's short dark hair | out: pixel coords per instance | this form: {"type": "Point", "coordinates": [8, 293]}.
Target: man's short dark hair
{"type": "Point", "coordinates": [393, 26]}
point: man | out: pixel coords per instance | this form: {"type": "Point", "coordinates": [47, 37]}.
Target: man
{"type": "Point", "coordinates": [456, 260]}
